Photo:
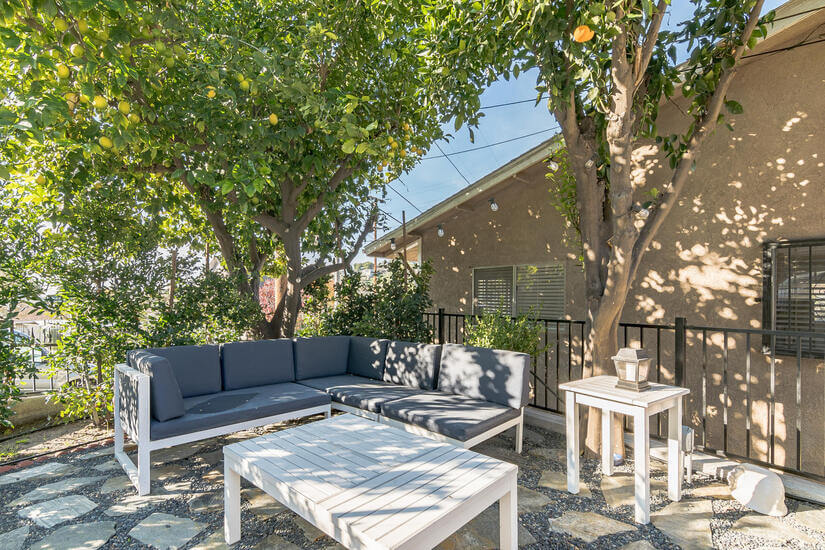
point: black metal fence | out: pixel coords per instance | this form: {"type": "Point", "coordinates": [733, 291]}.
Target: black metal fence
{"type": "Point", "coordinates": [36, 344]}
{"type": "Point", "coordinates": [749, 398]}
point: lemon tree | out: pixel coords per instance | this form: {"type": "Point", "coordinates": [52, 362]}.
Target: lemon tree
{"type": "Point", "coordinates": [280, 121]}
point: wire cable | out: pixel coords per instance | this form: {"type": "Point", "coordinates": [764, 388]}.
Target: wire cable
{"type": "Point", "coordinates": [452, 163]}
{"type": "Point", "coordinates": [470, 150]}
{"type": "Point", "coordinates": [403, 197]}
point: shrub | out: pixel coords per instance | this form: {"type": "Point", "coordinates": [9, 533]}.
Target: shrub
{"type": "Point", "coordinates": [497, 331]}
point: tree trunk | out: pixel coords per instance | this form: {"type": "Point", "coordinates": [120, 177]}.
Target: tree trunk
{"type": "Point", "coordinates": [290, 303]}
{"type": "Point", "coordinates": [601, 343]}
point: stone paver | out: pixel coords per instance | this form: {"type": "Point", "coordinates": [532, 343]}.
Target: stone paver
{"type": "Point", "coordinates": [587, 526]}
{"type": "Point", "coordinates": [179, 452]}
{"type": "Point", "coordinates": [274, 542]}
{"type": "Point", "coordinates": [530, 500]}
{"type": "Point", "coordinates": [54, 512]}
{"type": "Point", "coordinates": [168, 472]}
{"type": "Point", "coordinates": [215, 541]}
{"type": "Point", "coordinates": [108, 466]}
{"type": "Point", "coordinates": [213, 476]}
{"type": "Point", "coordinates": [772, 529]}
{"type": "Point", "coordinates": [80, 536]}
{"type": "Point", "coordinates": [533, 437]}
{"type": "Point", "coordinates": [261, 504]}
{"type": "Point", "coordinates": [620, 490]}
{"type": "Point", "coordinates": [43, 471]}
{"type": "Point", "coordinates": [482, 533]}
{"type": "Point", "coordinates": [558, 481]}
{"type": "Point", "coordinates": [687, 523]}
{"type": "Point", "coordinates": [719, 491]}
{"type": "Point", "coordinates": [52, 490]}
{"type": "Point", "coordinates": [165, 531]}
{"type": "Point", "coordinates": [206, 503]}
{"type": "Point", "coordinates": [811, 517]}
{"type": "Point", "coordinates": [13, 540]}
{"type": "Point", "coordinates": [134, 503]}
{"type": "Point", "coordinates": [100, 451]}
{"type": "Point", "coordinates": [211, 459]}
{"type": "Point", "coordinates": [549, 453]}
{"type": "Point", "coordinates": [179, 486]}
{"type": "Point", "coordinates": [117, 483]}
{"type": "Point", "coordinates": [311, 532]}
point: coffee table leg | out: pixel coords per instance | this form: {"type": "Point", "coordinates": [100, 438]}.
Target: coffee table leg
{"type": "Point", "coordinates": [508, 518]}
{"type": "Point", "coordinates": [607, 443]}
{"type": "Point", "coordinates": [675, 458]}
{"type": "Point", "coordinates": [231, 504]}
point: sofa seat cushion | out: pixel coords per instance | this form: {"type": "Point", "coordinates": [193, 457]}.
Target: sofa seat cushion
{"type": "Point", "coordinates": [321, 356]}
{"type": "Point", "coordinates": [205, 412]}
{"type": "Point", "coordinates": [455, 416]}
{"type": "Point", "coordinates": [165, 399]}
{"type": "Point", "coordinates": [482, 373]}
{"type": "Point", "coordinates": [412, 364]}
{"type": "Point", "coordinates": [197, 368]}
{"type": "Point", "coordinates": [360, 392]}
{"type": "Point", "coordinates": [325, 383]}
{"type": "Point", "coordinates": [366, 357]}
{"type": "Point", "coordinates": [259, 363]}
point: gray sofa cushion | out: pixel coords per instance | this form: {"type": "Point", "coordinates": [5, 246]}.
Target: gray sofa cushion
{"type": "Point", "coordinates": [249, 364]}
{"type": "Point", "coordinates": [230, 407]}
{"type": "Point", "coordinates": [165, 399]}
{"type": "Point", "coordinates": [321, 356]}
{"type": "Point", "coordinates": [366, 357]}
{"type": "Point", "coordinates": [482, 373]}
{"type": "Point", "coordinates": [360, 392]}
{"type": "Point", "coordinates": [197, 368]}
{"type": "Point", "coordinates": [454, 416]}
{"type": "Point", "coordinates": [412, 364]}
{"type": "Point", "coordinates": [326, 383]}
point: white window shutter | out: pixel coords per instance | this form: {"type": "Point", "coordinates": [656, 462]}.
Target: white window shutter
{"type": "Point", "coordinates": [493, 289]}
{"type": "Point", "coordinates": [540, 291]}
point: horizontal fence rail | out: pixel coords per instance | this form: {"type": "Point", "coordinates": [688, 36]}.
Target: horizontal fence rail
{"type": "Point", "coordinates": [756, 394]}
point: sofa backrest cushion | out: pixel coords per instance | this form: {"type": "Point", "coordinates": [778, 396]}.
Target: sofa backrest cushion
{"type": "Point", "coordinates": [197, 368]}
{"type": "Point", "coordinates": [321, 356]}
{"type": "Point", "coordinates": [165, 399]}
{"type": "Point", "coordinates": [412, 364]}
{"type": "Point", "coordinates": [366, 357]}
{"type": "Point", "coordinates": [492, 375]}
{"type": "Point", "coordinates": [260, 363]}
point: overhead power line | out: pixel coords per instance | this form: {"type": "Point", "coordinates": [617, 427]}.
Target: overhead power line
{"type": "Point", "coordinates": [452, 163]}
{"type": "Point", "coordinates": [480, 147]}
{"type": "Point", "coordinates": [403, 197]}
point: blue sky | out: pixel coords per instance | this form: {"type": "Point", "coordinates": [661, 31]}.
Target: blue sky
{"type": "Point", "coordinates": [433, 180]}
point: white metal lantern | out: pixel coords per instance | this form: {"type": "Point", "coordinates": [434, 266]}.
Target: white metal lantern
{"type": "Point", "coordinates": [632, 368]}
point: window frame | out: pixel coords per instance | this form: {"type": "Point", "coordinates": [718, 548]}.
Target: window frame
{"type": "Point", "coordinates": [770, 290]}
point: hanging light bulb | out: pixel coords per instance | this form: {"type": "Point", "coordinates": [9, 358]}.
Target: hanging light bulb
{"type": "Point", "coordinates": [493, 205]}
{"type": "Point", "coordinates": [553, 165]}
{"type": "Point", "coordinates": [392, 244]}
{"type": "Point", "coordinates": [440, 230]}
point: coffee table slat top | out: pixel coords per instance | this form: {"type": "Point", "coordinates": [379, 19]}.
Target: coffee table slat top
{"type": "Point", "coordinates": [367, 484]}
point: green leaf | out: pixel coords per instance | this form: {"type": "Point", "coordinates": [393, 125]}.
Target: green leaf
{"type": "Point", "coordinates": [734, 107]}
{"type": "Point", "coordinates": [348, 147]}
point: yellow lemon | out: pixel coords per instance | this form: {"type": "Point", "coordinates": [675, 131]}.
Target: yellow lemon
{"type": "Point", "coordinates": [105, 142]}
{"type": "Point", "coordinates": [84, 99]}
{"type": "Point", "coordinates": [60, 25]}
{"type": "Point", "coordinates": [394, 144]}
{"type": "Point", "coordinates": [133, 118]}
{"type": "Point", "coordinates": [245, 85]}
{"type": "Point", "coordinates": [41, 179]}
{"type": "Point", "coordinates": [82, 26]}
{"type": "Point", "coordinates": [273, 119]}
{"type": "Point", "coordinates": [99, 102]}
{"type": "Point", "coordinates": [124, 107]}
{"type": "Point", "coordinates": [210, 92]}
{"type": "Point", "coordinates": [62, 71]}
{"type": "Point", "coordinates": [77, 50]}
{"type": "Point", "coordinates": [71, 99]}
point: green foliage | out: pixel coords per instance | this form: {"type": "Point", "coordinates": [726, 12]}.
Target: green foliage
{"type": "Point", "coordinates": [563, 197]}
{"type": "Point", "coordinates": [493, 330]}
{"type": "Point", "coordinates": [391, 306]}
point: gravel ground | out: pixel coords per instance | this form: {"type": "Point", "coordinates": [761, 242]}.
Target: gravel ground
{"type": "Point", "coordinates": [255, 528]}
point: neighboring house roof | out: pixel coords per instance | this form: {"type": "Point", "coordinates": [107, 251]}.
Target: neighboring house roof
{"type": "Point", "coordinates": [778, 32]}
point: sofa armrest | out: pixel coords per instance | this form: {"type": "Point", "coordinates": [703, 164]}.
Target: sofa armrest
{"type": "Point", "coordinates": [131, 402]}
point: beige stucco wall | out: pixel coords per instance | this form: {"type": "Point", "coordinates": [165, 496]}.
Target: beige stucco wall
{"type": "Point", "coordinates": [763, 181]}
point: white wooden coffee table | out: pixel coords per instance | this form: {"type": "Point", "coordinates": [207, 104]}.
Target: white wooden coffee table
{"type": "Point", "coordinates": [369, 485]}
{"type": "Point", "coordinates": [601, 392]}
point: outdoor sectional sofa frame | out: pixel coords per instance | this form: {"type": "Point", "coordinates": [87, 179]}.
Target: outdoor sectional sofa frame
{"type": "Point", "coordinates": [171, 396]}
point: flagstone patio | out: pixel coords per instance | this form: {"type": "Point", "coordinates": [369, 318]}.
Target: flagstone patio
{"type": "Point", "coordinates": [83, 500]}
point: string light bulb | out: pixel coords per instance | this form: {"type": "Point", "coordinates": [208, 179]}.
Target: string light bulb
{"type": "Point", "coordinates": [393, 246]}
{"type": "Point", "coordinates": [440, 230]}
{"type": "Point", "coordinates": [493, 205]}
{"type": "Point", "coordinates": [553, 165]}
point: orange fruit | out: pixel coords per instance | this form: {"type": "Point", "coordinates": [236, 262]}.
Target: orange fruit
{"type": "Point", "coordinates": [583, 33]}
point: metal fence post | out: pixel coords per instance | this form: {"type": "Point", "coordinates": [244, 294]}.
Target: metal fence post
{"type": "Point", "coordinates": [441, 325]}
{"type": "Point", "coordinates": [681, 350]}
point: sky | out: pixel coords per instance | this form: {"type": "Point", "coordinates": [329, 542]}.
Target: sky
{"type": "Point", "coordinates": [434, 179]}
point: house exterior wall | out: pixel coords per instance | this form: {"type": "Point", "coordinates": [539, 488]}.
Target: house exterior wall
{"type": "Point", "coordinates": [764, 181]}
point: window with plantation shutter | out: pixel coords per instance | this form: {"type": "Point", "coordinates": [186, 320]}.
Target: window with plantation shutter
{"type": "Point", "coordinates": [540, 291]}
{"type": "Point", "coordinates": [493, 289]}
{"type": "Point", "coordinates": [794, 294]}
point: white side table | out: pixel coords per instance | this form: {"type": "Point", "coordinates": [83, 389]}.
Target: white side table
{"type": "Point", "coordinates": [601, 392]}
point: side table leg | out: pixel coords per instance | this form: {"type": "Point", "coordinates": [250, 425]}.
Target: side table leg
{"type": "Point", "coordinates": [607, 443]}
{"type": "Point", "coordinates": [641, 462]}
{"type": "Point", "coordinates": [572, 422]}
{"type": "Point", "coordinates": [508, 518]}
{"type": "Point", "coordinates": [675, 458]}
{"type": "Point", "coordinates": [231, 504]}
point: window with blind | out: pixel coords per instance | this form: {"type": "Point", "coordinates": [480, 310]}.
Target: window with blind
{"type": "Point", "coordinates": [794, 294]}
{"type": "Point", "coordinates": [524, 289]}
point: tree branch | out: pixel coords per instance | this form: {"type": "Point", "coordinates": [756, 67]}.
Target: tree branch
{"type": "Point", "coordinates": [315, 271]}
{"type": "Point", "coordinates": [649, 44]}
{"type": "Point", "coordinates": [342, 173]}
